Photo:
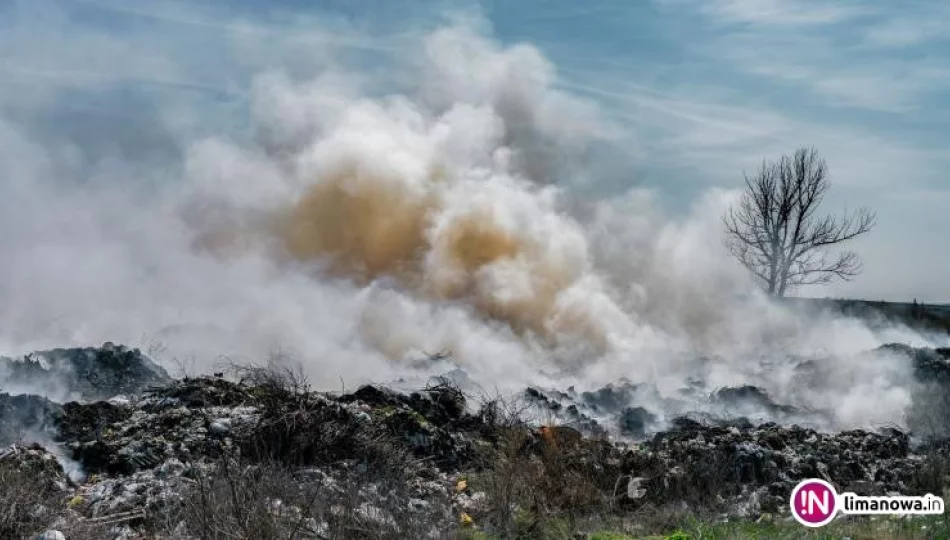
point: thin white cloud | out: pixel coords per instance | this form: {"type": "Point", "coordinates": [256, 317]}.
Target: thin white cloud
{"type": "Point", "coordinates": [93, 79]}
{"type": "Point", "coordinates": [303, 27]}
{"type": "Point", "coordinates": [910, 25]}
{"type": "Point", "coordinates": [840, 53]}
{"type": "Point", "coordinates": [887, 86]}
{"type": "Point", "coordinates": [773, 12]}
{"type": "Point", "coordinates": [735, 135]}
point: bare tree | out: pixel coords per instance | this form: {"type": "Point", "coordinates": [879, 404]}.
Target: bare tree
{"type": "Point", "coordinates": [774, 230]}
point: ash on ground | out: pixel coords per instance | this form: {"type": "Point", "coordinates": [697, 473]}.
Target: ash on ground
{"type": "Point", "coordinates": [257, 454]}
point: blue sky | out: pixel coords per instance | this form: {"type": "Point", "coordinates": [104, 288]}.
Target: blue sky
{"type": "Point", "coordinates": [698, 89]}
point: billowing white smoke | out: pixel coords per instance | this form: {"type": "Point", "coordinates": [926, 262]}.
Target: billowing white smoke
{"type": "Point", "coordinates": [360, 233]}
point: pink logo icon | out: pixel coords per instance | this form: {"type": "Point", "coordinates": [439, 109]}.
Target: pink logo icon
{"type": "Point", "coordinates": [814, 502]}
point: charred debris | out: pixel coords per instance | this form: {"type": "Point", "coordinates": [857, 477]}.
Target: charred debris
{"type": "Point", "coordinates": [136, 453]}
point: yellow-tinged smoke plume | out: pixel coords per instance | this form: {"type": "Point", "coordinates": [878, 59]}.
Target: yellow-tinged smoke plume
{"type": "Point", "coordinates": [437, 216]}
{"type": "Point", "coordinates": [367, 226]}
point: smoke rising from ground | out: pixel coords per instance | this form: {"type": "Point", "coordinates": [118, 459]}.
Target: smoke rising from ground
{"type": "Point", "coordinates": [359, 233]}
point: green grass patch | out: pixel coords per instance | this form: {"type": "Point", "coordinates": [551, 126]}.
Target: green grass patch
{"type": "Point", "coordinates": [854, 528]}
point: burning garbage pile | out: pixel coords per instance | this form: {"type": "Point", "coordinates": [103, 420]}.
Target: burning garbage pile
{"type": "Point", "coordinates": [258, 454]}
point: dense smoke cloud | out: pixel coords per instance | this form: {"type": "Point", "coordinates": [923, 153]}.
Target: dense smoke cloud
{"type": "Point", "coordinates": [359, 233]}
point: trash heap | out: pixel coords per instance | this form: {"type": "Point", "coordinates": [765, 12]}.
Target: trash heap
{"type": "Point", "coordinates": [261, 454]}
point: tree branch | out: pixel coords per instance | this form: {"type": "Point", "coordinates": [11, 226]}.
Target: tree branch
{"type": "Point", "coordinates": [774, 230]}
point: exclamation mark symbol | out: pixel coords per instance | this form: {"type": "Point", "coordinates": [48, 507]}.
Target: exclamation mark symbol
{"type": "Point", "coordinates": [804, 505]}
